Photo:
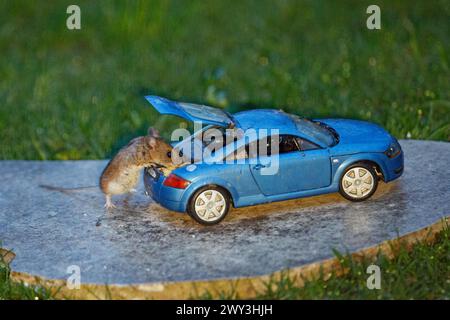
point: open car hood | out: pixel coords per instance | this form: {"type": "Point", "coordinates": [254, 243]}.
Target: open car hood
{"type": "Point", "coordinates": [192, 112]}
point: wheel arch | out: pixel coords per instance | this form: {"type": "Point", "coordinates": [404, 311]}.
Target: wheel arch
{"type": "Point", "coordinates": [214, 185]}
{"type": "Point", "coordinates": [371, 160]}
{"type": "Point", "coordinates": [227, 187]}
{"type": "Point", "coordinates": [375, 166]}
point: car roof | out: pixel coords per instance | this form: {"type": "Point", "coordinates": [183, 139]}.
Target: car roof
{"type": "Point", "coordinates": [273, 119]}
{"type": "Point", "coordinates": [265, 119]}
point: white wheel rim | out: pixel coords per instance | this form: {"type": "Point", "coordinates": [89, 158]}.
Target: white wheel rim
{"type": "Point", "coordinates": [210, 205]}
{"type": "Point", "coordinates": [358, 182]}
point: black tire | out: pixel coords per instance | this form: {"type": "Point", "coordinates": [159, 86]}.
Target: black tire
{"type": "Point", "coordinates": [374, 178]}
{"type": "Point", "coordinates": [198, 216]}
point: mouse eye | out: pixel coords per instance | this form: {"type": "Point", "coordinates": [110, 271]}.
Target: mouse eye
{"type": "Point", "coordinates": [169, 154]}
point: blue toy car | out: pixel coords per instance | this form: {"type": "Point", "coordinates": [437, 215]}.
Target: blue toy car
{"type": "Point", "coordinates": [313, 157]}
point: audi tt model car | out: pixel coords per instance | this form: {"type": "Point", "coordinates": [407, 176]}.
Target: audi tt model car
{"type": "Point", "coordinates": [312, 157]}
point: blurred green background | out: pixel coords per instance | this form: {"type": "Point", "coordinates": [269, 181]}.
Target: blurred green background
{"type": "Point", "coordinates": [79, 94]}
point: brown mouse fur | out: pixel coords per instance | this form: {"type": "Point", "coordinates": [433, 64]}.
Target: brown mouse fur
{"type": "Point", "coordinates": [121, 174]}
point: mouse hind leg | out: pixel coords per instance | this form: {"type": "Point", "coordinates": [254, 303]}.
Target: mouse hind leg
{"type": "Point", "coordinates": [109, 204]}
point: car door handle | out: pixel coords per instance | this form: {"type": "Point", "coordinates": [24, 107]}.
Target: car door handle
{"type": "Point", "coordinates": [259, 166]}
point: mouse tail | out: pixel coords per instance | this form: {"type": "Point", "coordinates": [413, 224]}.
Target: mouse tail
{"type": "Point", "coordinates": [54, 188]}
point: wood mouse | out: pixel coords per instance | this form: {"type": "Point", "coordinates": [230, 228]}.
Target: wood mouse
{"type": "Point", "coordinates": [121, 174]}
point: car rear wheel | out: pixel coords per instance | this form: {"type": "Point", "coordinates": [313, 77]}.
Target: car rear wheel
{"type": "Point", "coordinates": [359, 182]}
{"type": "Point", "coordinates": [209, 205]}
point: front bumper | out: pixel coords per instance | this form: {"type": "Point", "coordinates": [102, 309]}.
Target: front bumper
{"type": "Point", "coordinates": [395, 167]}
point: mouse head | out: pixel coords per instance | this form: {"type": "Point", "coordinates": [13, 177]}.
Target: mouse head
{"type": "Point", "coordinates": [161, 150]}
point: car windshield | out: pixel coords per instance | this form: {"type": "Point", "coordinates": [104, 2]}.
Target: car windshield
{"type": "Point", "coordinates": [316, 130]}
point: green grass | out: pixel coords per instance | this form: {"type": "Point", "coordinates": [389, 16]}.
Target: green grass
{"type": "Point", "coordinates": [423, 273]}
{"type": "Point", "coordinates": [13, 290]}
{"type": "Point", "coordinates": [79, 94]}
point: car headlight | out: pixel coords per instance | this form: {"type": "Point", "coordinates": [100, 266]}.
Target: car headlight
{"type": "Point", "coordinates": [394, 149]}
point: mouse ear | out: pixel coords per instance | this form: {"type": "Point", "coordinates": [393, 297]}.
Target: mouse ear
{"type": "Point", "coordinates": [153, 132]}
{"type": "Point", "coordinates": [152, 142]}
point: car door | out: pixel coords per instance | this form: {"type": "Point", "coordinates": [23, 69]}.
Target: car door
{"type": "Point", "coordinates": [305, 167]}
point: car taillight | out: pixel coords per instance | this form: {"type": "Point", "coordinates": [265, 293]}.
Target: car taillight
{"type": "Point", "coordinates": [175, 181]}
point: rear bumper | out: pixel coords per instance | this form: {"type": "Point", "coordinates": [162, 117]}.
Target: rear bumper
{"type": "Point", "coordinates": [169, 198]}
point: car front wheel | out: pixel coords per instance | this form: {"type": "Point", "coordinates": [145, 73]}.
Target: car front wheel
{"type": "Point", "coordinates": [358, 182]}
{"type": "Point", "coordinates": [209, 205]}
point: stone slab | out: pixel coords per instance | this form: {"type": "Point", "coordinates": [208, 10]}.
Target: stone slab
{"type": "Point", "coordinates": [140, 242]}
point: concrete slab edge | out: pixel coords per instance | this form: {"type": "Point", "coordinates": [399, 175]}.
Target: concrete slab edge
{"type": "Point", "coordinates": [243, 287]}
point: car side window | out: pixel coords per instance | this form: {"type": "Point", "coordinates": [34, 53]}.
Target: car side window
{"type": "Point", "coordinates": [286, 144]}
{"type": "Point", "coordinates": [240, 153]}
{"type": "Point", "coordinates": [305, 145]}
{"type": "Point", "coordinates": [252, 149]}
